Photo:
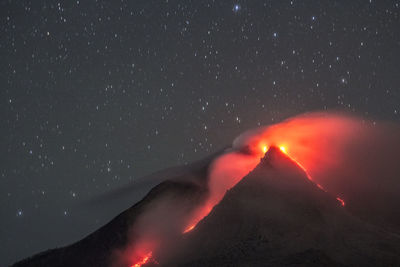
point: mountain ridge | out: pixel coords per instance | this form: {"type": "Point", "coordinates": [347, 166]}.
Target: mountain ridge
{"type": "Point", "coordinates": [274, 216]}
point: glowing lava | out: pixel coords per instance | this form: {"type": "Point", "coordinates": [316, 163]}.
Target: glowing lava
{"type": "Point", "coordinates": [318, 141]}
{"type": "Point", "coordinates": [283, 149]}
{"type": "Point", "coordinates": [190, 228]}
{"type": "Point", "coordinates": [234, 173]}
{"type": "Point", "coordinates": [226, 172]}
{"type": "Point", "coordinates": [144, 260]}
{"type": "Point", "coordinates": [341, 201]}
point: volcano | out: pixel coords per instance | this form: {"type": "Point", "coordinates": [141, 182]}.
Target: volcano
{"type": "Point", "coordinates": [274, 216]}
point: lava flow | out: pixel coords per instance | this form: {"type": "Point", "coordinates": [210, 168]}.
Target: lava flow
{"type": "Point", "coordinates": [283, 149]}
{"type": "Point", "coordinates": [144, 260]}
{"type": "Point", "coordinates": [218, 191]}
{"type": "Point", "coordinates": [319, 141]}
{"type": "Point", "coordinates": [190, 228]}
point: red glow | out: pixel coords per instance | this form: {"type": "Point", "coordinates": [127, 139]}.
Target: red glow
{"type": "Point", "coordinates": [315, 143]}
{"type": "Point", "coordinates": [143, 260]}
{"type": "Point", "coordinates": [320, 187]}
{"type": "Point", "coordinates": [190, 228]}
{"type": "Point", "coordinates": [341, 201]}
{"type": "Point", "coordinates": [138, 253]}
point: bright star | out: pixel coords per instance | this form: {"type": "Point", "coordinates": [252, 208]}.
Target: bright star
{"type": "Point", "coordinates": [236, 7]}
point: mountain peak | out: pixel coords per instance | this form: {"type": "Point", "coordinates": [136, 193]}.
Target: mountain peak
{"type": "Point", "coordinates": [273, 153]}
{"type": "Point", "coordinates": [276, 163]}
{"type": "Point", "coordinates": [277, 216]}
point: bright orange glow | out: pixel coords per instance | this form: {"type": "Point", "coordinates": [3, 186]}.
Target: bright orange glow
{"type": "Point", "coordinates": [316, 140]}
{"type": "Point", "coordinates": [144, 260]}
{"type": "Point", "coordinates": [341, 201]}
{"type": "Point", "coordinates": [320, 187]}
{"type": "Point", "coordinates": [190, 228]}
{"type": "Point", "coordinates": [265, 148]}
{"type": "Point", "coordinates": [283, 149]}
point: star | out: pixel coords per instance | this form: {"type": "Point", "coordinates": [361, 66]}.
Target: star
{"type": "Point", "coordinates": [236, 8]}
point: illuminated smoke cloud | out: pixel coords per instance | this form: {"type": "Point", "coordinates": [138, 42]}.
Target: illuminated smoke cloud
{"type": "Point", "coordinates": [350, 157]}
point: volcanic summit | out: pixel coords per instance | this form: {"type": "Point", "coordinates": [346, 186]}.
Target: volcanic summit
{"type": "Point", "coordinates": [274, 216]}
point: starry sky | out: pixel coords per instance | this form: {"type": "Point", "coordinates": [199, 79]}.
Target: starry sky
{"type": "Point", "coordinates": [95, 94]}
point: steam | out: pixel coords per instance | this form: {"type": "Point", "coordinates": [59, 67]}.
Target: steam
{"type": "Point", "coordinates": [348, 156]}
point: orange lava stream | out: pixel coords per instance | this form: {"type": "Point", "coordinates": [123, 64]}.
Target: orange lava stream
{"type": "Point", "coordinates": [144, 260]}
{"type": "Point", "coordinates": [341, 201]}
{"type": "Point", "coordinates": [283, 149]}
{"type": "Point", "coordinates": [190, 228]}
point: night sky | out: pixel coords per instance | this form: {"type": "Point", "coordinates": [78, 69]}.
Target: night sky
{"type": "Point", "coordinates": [95, 94]}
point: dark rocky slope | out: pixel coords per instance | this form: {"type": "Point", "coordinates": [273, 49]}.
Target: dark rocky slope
{"type": "Point", "coordinates": [187, 188]}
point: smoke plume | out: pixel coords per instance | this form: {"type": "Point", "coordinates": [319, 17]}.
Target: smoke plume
{"type": "Point", "coordinates": [348, 156]}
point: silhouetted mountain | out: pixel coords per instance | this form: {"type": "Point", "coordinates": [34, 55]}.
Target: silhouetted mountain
{"type": "Point", "coordinates": [275, 216]}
